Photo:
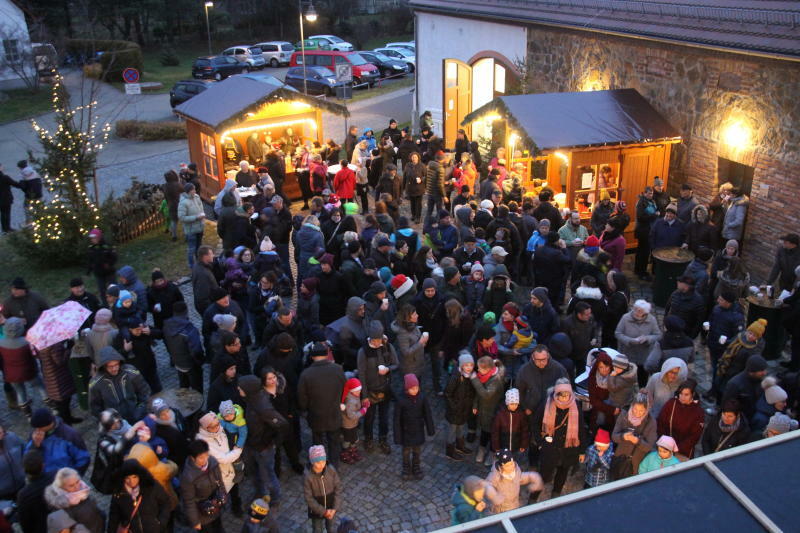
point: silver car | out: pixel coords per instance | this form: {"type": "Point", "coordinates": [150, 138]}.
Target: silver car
{"type": "Point", "coordinates": [401, 54]}
{"type": "Point", "coordinates": [247, 54]}
{"type": "Point", "coordinates": [276, 53]}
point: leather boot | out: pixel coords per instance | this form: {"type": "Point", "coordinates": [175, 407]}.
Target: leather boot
{"type": "Point", "coordinates": [416, 469]}
{"type": "Point", "coordinates": [406, 474]}
{"type": "Point", "coordinates": [354, 452]}
{"type": "Point", "coordinates": [452, 453]}
{"type": "Point", "coordinates": [461, 446]}
{"type": "Point", "coordinates": [347, 456]}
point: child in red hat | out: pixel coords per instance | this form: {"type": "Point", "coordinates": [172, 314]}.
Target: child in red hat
{"type": "Point", "coordinates": [353, 408]}
{"type": "Point", "coordinates": [598, 460]}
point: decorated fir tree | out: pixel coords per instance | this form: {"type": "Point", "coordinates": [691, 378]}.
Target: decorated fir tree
{"type": "Point", "coordinates": [63, 217]}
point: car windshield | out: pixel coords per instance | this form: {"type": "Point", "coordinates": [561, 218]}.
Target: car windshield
{"type": "Point", "coordinates": [356, 59]}
{"type": "Point", "coordinates": [322, 71]}
{"type": "Point", "coordinates": [334, 39]}
{"type": "Point", "coordinates": [255, 50]}
{"type": "Point", "coordinates": [403, 52]}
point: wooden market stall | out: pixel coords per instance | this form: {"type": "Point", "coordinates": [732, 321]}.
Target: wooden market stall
{"type": "Point", "coordinates": [246, 117]}
{"type": "Point", "coordinates": [580, 143]}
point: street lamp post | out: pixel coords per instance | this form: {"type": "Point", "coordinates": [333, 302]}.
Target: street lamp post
{"type": "Point", "coordinates": [311, 16]}
{"type": "Point", "coordinates": [208, 26]}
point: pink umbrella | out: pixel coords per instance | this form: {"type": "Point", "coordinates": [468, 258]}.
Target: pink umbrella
{"type": "Point", "coordinates": [57, 324]}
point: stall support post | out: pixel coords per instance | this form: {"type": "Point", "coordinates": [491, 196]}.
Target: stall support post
{"type": "Point", "coordinates": [302, 45]}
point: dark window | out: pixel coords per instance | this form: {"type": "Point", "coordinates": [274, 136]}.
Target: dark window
{"type": "Point", "coordinates": [269, 48]}
{"type": "Point", "coordinates": [340, 60]}
{"type": "Point", "coordinates": [287, 47]}
{"type": "Point", "coordinates": [739, 175]}
{"type": "Point", "coordinates": [201, 63]}
{"type": "Point", "coordinates": [324, 61]}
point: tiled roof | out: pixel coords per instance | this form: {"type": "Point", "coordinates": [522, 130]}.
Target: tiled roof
{"type": "Point", "coordinates": [755, 26]}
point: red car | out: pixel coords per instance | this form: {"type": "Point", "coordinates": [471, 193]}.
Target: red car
{"type": "Point", "coordinates": [363, 72]}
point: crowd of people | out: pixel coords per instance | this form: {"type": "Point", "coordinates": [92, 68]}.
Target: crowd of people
{"type": "Point", "coordinates": [516, 311]}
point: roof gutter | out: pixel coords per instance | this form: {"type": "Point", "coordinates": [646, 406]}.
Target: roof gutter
{"type": "Point", "coordinates": [693, 44]}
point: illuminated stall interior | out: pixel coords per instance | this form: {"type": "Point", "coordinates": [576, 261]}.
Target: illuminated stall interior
{"type": "Point", "coordinates": [245, 118]}
{"type": "Point", "coordinates": [581, 143]}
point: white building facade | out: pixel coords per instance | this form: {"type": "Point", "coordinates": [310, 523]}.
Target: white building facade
{"type": "Point", "coordinates": [16, 58]}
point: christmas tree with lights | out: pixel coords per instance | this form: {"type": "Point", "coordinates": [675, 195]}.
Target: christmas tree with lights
{"type": "Point", "coordinates": [63, 217]}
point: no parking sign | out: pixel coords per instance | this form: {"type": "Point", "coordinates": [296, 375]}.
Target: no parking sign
{"type": "Point", "coordinates": [130, 75]}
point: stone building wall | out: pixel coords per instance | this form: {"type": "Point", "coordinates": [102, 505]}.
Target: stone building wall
{"type": "Point", "coordinates": [702, 93]}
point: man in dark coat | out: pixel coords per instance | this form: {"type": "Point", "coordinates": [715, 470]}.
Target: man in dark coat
{"type": "Point", "coordinates": [203, 279]}
{"type": "Point", "coordinates": [24, 303]}
{"type": "Point", "coordinates": [551, 264]}
{"type": "Point", "coordinates": [118, 386]}
{"type": "Point", "coordinates": [282, 321]}
{"type": "Point", "coordinates": [745, 387]}
{"type": "Point", "coordinates": [223, 304]}
{"type": "Point", "coordinates": [6, 199]}
{"type": "Point", "coordinates": [548, 210]}
{"type": "Point", "coordinates": [351, 141]}
{"type": "Point", "coordinates": [787, 259]}
{"type": "Point", "coordinates": [667, 231]}
{"type": "Point", "coordinates": [583, 331]}
{"type": "Point", "coordinates": [542, 317]}
{"type": "Point", "coordinates": [185, 347]}
{"type": "Point", "coordinates": [686, 303]}
{"type": "Point", "coordinates": [533, 380]}
{"type": "Point", "coordinates": [138, 349]}
{"type": "Point", "coordinates": [377, 359]}
{"type": "Point", "coordinates": [319, 393]}
{"type": "Point", "coordinates": [726, 320]}
{"type": "Point", "coordinates": [129, 280]}
{"type": "Point", "coordinates": [101, 261]}
{"type": "Point", "coordinates": [686, 204]}
{"type": "Point", "coordinates": [30, 499]}
{"type": "Point", "coordinates": [265, 429]}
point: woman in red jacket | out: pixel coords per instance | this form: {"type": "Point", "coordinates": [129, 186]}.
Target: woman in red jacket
{"type": "Point", "coordinates": [344, 183]}
{"type": "Point", "coordinates": [604, 413]}
{"type": "Point", "coordinates": [613, 243]}
{"type": "Point", "coordinates": [682, 418]}
{"type": "Point", "coordinates": [18, 364]}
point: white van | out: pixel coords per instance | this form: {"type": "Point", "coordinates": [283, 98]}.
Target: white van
{"type": "Point", "coordinates": [276, 53]}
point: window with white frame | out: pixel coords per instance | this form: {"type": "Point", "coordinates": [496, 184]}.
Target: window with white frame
{"type": "Point", "coordinates": [11, 51]}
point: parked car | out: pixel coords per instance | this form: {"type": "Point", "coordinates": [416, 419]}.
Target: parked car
{"type": "Point", "coordinates": [363, 72]}
{"type": "Point", "coordinates": [319, 80]}
{"type": "Point", "coordinates": [333, 42]}
{"type": "Point", "coordinates": [386, 65]}
{"type": "Point", "coordinates": [276, 53]}
{"type": "Point", "coordinates": [249, 54]}
{"type": "Point", "coordinates": [410, 45]}
{"type": "Point", "coordinates": [218, 67]}
{"type": "Point", "coordinates": [311, 44]}
{"type": "Point", "coordinates": [401, 54]}
{"type": "Point", "coordinates": [185, 89]}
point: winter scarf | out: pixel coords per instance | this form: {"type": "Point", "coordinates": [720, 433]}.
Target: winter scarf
{"type": "Point", "coordinates": [732, 351]}
{"type": "Point", "coordinates": [729, 428]}
{"type": "Point", "coordinates": [549, 420]}
{"type": "Point", "coordinates": [483, 378]}
{"type": "Point", "coordinates": [635, 421]}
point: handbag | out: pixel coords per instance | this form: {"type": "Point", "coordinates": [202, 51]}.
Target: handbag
{"type": "Point", "coordinates": [213, 505]}
{"type": "Point", "coordinates": [126, 529]}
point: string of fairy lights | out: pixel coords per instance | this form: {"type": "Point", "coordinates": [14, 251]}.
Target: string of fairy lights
{"type": "Point", "coordinates": [69, 202]}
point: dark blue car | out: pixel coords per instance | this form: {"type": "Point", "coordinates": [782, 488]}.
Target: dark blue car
{"type": "Point", "coordinates": [319, 80]}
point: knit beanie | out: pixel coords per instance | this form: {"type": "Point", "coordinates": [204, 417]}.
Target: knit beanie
{"type": "Point", "coordinates": [781, 423]}
{"type": "Point", "coordinates": [207, 419]}
{"type": "Point", "coordinates": [758, 327]}
{"type": "Point", "coordinates": [668, 443]}
{"type": "Point", "coordinates": [225, 361]}
{"type": "Point", "coordinates": [512, 396]}
{"type": "Point", "coordinates": [773, 393]}
{"type": "Point", "coordinates": [226, 322]}
{"type": "Point", "coordinates": [465, 358]}
{"type": "Point", "coordinates": [42, 417]}
{"type": "Point", "coordinates": [157, 274]}
{"type": "Point", "coordinates": [472, 484]}
{"type": "Point", "coordinates": [259, 509]}
{"type": "Point", "coordinates": [317, 453]}
{"type": "Point", "coordinates": [226, 408]}
{"type": "Point", "coordinates": [410, 381]}
{"type": "Point", "coordinates": [311, 284]}
{"type": "Point", "coordinates": [489, 317]}
{"type": "Point", "coordinates": [512, 308]}
{"type": "Point", "coordinates": [429, 283]}
{"type": "Point", "coordinates": [476, 267]}
{"type": "Point", "coordinates": [284, 341]}
{"type": "Point", "coordinates": [540, 293]}
{"type": "Point", "coordinates": [756, 363]}
{"type": "Point", "coordinates": [375, 330]}
{"type": "Point", "coordinates": [103, 316]}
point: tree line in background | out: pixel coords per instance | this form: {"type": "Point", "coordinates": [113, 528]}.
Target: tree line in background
{"type": "Point", "coordinates": [154, 22]}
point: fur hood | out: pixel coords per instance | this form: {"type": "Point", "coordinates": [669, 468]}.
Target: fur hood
{"type": "Point", "coordinates": [742, 200]}
{"type": "Point", "coordinates": [589, 293]}
{"type": "Point", "coordinates": [699, 209]}
{"type": "Point", "coordinates": [583, 257]}
{"type": "Point", "coordinates": [57, 498]}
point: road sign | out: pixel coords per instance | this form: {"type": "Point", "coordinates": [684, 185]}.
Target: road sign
{"type": "Point", "coordinates": [344, 72]}
{"type": "Point", "coordinates": [130, 75]}
{"type": "Point", "coordinates": [133, 88]}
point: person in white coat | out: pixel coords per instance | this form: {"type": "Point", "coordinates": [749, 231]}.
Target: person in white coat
{"type": "Point", "coordinates": [636, 333]}
{"type": "Point", "coordinates": [218, 447]}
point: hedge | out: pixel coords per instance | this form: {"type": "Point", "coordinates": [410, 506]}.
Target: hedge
{"type": "Point", "coordinates": [144, 130]}
{"type": "Point", "coordinates": [116, 57]}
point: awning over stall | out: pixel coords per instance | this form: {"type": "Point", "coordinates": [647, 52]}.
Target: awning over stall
{"type": "Point", "coordinates": [749, 488]}
{"type": "Point", "coordinates": [227, 102]}
{"type": "Point", "coordinates": [552, 121]}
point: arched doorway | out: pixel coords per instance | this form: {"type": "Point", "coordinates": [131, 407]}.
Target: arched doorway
{"type": "Point", "coordinates": [467, 87]}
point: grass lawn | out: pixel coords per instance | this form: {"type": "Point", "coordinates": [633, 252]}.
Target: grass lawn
{"type": "Point", "coordinates": [154, 249]}
{"type": "Point", "coordinates": [23, 103]}
{"type": "Point", "coordinates": [363, 94]}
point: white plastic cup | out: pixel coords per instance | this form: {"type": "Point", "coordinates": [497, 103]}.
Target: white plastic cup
{"type": "Point", "coordinates": [706, 326]}
{"type": "Point", "coordinates": [425, 335]}
{"type": "Point", "coordinates": [381, 368]}
{"type": "Point", "coordinates": [723, 339]}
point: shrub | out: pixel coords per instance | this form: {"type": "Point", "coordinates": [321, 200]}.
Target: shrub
{"type": "Point", "coordinates": [116, 55]}
{"type": "Point", "coordinates": [169, 58]}
{"type": "Point", "coordinates": [134, 213]}
{"type": "Point", "coordinates": [93, 70]}
{"type": "Point", "coordinates": [144, 130]}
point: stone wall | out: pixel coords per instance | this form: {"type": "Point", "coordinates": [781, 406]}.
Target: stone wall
{"type": "Point", "coordinates": [702, 93]}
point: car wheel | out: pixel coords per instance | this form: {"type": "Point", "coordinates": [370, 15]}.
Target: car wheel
{"type": "Point", "coordinates": [410, 68]}
{"type": "Point", "coordinates": [245, 70]}
{"type": "Point", "coordinates": [386, 72]}
{"type": "Point", "coordinates": [273, 63]}
{"type": "Point", "coordinates": [356, 81]}
{"type": "Point", "coordinates": [327, 91]}
{"type": "Point", "coordinates": [218, 76]}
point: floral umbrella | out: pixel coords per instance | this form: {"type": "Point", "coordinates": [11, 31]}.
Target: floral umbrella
{"type": "Point", "coordinates": [57, 324]}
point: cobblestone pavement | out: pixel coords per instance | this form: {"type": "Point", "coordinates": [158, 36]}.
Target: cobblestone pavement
{"type": "Point", "coordinates": [373, 492]}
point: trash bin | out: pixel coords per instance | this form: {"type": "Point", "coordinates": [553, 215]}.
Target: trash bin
{"type": "Point", "coordinates": [669, 263]}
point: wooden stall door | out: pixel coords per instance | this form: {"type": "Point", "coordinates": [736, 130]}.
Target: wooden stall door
{"type": "Point", "coordinates": [635, 171]}
{"type": "Point", "coordinates": [457, 97]}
